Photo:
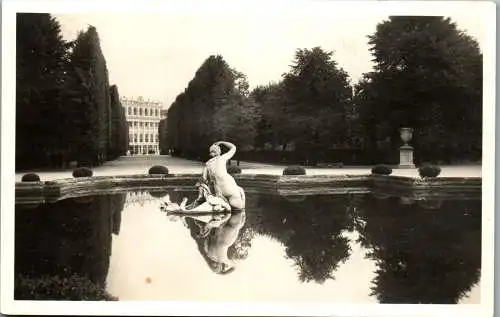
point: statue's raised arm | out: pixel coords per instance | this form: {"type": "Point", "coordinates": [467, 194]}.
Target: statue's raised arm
{"type": "Point", "coordinates": [232, 149]}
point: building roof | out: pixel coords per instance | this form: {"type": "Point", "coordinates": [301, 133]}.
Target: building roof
{"type": "Point", "coordinates": [140, 101]}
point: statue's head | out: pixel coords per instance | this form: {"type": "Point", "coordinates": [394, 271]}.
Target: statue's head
{"type": "Point", "coordinates": [218, 260]}
{"type": "Point", "coordinates": [214, 150]}
{"type": "Point", "coordinates": [222, 268]}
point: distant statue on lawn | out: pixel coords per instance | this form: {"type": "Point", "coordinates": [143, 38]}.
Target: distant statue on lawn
{"type": "Point", "coordinates": [215, 174]}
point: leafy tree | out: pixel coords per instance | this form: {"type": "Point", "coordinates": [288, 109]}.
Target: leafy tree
{"type": "Point", "coordinates": [89, 63]}
{"type": "Point", "coordinates": [118, 144]}
{"type": "Point", "coordinates": [272, 121]}
{"type": "Point", "coordinates": [162, 134]}
{"type": "Point", "coordinates": [83, 116]}
{"type": "Point", "coordinates": [235, 122]}
{"type": "Point", "coordinates": [213, 106]}
{"type": "Point", "coordinates": [317, 95]}
{"type": "Point", "coordinates": [41, 56]}
{"type": "Point", "coordinates": [428, 75]}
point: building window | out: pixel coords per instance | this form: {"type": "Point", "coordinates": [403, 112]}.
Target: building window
{"type": "Point", "coordinates": [140, 137]}
{"type": "Point", "coordinates": [130, 124]}
{"type": "Point", "coordinates": [146, 112]}
{"type": "Point", "coordinates": [152, 138]}
{"type": "Point", "coordinates": [135, 123]}
{"type": "Point", "coordinates": [146, 138]}
{"type": "Point", "coordinates": [156, 112]}
{"type": "Point", "coordinates": [135, 111]}
{"type": "Point", "coordinates": [140, 111]}
{"type": "Point", "coordinates": [157, 138]}
{"type": "Point", "coordinates": [135, 137]}
{"type": "Point", "coordinates": [140, 124]}
{"type": "Point", "coordinates": [146, 124]}
{"type": "Point", "coordinates": [129, 111]}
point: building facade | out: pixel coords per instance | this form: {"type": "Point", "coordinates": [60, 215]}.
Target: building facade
{"type": "Point", "coordinates": [143, 118]}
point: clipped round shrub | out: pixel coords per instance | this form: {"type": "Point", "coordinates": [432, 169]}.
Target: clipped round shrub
{"type": "Point", "coordinates": [294, 170]}
{"type": "Point", "coordinates": [30, 177]}
{"type": "Point", "coordinates": [382, 170]}
{"type": "Point", "coordinates": [59, 288]}
{"type": "Point", "coordinates": [429, 170]}
{"type": "Point", "coordinates": [158, 170]}
{"type": "Point", "coordinates": [82, 172]}
{"type": "Point", "coordinates": [232, 169]}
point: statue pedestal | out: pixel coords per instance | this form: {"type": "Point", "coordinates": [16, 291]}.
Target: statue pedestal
{"type": "Point", "coordinates": [406, 157]}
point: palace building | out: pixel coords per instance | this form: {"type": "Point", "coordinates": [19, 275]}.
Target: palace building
{"type": "Point", "coordinates": [143, 118]}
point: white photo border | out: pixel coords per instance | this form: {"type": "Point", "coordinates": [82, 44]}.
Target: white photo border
{"type": "Point", "coordinates": [11, 307]}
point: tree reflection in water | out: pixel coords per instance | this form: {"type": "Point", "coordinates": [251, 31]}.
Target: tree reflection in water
{"type": "Point", "coordinates": [311, 230]}
{"type": "Point", "coordinates": [67, 239]}
{"type": "Point", "coordinates": [425, 252]}
{"type": "Point", "coordinates": [423, 255]}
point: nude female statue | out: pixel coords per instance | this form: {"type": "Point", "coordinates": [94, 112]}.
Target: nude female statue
{"type": "Point", "coordinates": [215, 172]}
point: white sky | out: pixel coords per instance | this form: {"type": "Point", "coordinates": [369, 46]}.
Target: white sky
{"type": "Point", "coordinates": [155, 55]}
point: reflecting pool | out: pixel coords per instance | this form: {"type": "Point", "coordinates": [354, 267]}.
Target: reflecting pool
{"type": "Point", "coordinates": [321, 248]}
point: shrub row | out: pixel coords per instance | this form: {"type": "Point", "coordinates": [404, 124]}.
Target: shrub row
{"type": "Point", "coordinates": [70, 288]}
{"type": "Point", "coordinates": [427, 170]}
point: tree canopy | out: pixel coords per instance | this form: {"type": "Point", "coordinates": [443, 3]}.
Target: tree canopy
{"type": "Point", "coordinates": [65, 109]}
{"type": "Point", "coordinates": [428, 76]}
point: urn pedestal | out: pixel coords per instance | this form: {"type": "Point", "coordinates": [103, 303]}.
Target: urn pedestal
{"type": "Point", "coordinates": [406, 151]}
{"type": "Point", "coordinates": [406, 157]}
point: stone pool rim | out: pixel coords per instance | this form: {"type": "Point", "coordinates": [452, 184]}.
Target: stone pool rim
{"type": "Point", "coordinates": [416, 188]}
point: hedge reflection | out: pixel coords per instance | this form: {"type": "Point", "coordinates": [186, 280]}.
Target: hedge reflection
{"type": "Point", "coordinates": [65, 241]}
{"type": "Point", "coordinates": [423, 255]}
{"type": "Point", "coordinates": [310, 228]}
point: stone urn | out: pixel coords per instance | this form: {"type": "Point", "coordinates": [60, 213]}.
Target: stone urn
{"type": "Point", "coordinates": [406, 134]}
{"type": "Point", "coordinates": [406, 151]}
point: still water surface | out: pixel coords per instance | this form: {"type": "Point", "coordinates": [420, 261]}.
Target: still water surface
{"type": "Point", "coordinates": [323, 248]}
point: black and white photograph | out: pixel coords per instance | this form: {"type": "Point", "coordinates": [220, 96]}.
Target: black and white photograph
{"type": "Point", "coordinates": [318, 158]}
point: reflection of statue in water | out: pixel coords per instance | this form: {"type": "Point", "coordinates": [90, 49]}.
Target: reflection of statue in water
{"type": "Point", "coordinates": [215, 234]}
{"type": "Point", "coordinates": [214, 240]}
{"type": "Point", "coordinates": [214, 228]}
